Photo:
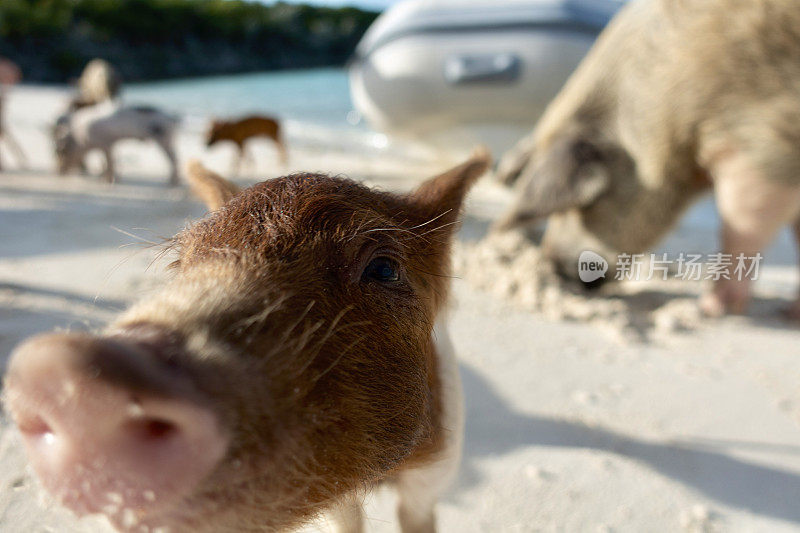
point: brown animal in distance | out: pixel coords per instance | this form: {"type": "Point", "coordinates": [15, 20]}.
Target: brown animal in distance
{"type": "Point", "coordinates": [297, 358]}
{"type": "Point", "coordinates": [242, 130]}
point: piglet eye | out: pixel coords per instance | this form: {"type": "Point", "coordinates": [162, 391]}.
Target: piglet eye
{"type": "Point", "coordinates": [383, 270]}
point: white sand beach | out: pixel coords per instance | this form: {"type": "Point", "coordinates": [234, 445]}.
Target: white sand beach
{"type": "Point", "coordinates": [625, 411]}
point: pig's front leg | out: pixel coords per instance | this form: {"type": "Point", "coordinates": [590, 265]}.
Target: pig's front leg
{"type": "Point", "coordinates": [250, 158]}
{"type": "Point", "coordinates": [166, 146]}
{"type": "Point", "coordinates": [77, 161]}
{"type": "Point", "coordinates": [108, 174]}
{"type": "Point", "coordinates": [14, 146]}
{"type": "Point", "coordinates": [283, 156]}
{"type": "Point", "coordinates": [794, 310]}
{"type": "Point", "coordinates": [418, 491]}
{"type": "Point", "coordinates": [753, 208]}
{"type": "Point", "coordinates": [420, 488]}
{"type": "Point", "coordinates": [237, 161]}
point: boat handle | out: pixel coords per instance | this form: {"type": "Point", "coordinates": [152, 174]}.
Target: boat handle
{"type": "Point", "coordinates": [487, 68]}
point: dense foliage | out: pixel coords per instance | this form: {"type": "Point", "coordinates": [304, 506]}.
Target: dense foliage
{"type": "Point", "coordinates": [146, 39]}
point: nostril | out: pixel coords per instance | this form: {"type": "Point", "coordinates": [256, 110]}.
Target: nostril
{"type": "Point", "coordinates": [34, 426]}
{"type": "Point", "coordinates": [158, 429]}
{"type": "Point", "coordinates": [151, 429]}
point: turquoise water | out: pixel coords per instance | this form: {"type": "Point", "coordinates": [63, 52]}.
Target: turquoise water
{"type": "Point", "coordinates": [319, 96]}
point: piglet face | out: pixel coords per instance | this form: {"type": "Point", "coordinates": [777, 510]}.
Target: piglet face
{"type": "Point", "coordinates": [290, 358]}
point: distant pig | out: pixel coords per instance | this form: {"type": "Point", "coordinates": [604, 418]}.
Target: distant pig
{"type": "Point", "coordinates": [297, 358]}
{"type": "Point", "coordinates": [242, 131]}
{"type": "Point", "coordinates": [675, 98]}
{"type": "Point", "coordinates": [101, 126]}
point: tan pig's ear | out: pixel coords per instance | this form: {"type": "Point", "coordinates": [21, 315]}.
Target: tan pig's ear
{"type": "Point", "coordinates": [208, 186]}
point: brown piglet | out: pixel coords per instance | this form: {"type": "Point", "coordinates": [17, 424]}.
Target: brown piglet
{"type": "Point", "coordinates": [242, 130]}
{"type": "Point", "coordinates": [297, 358]}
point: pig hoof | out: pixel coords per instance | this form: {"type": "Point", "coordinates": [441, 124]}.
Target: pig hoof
{"type": "Point", "coordinates": [711, 305]}
{"type": "Point", "coordinates": [721, 303]}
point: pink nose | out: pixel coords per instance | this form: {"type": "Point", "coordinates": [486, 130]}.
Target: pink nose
{"type": "Point", "coordinates": [108, 428]}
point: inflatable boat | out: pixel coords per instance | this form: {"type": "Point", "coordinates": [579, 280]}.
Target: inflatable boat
{"type": "Point", "coordinates": [458, 72]}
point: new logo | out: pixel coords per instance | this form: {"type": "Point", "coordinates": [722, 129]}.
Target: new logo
{"type": "Point", "coordinates": [591, 266]}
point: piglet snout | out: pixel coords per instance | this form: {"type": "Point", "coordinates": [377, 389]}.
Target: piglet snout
{"type": "Point", "coordinates": [108, 426]}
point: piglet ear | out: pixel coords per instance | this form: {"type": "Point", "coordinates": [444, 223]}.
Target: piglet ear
{"type": "Point", "coordinates": [442, 196]}
{"type": "Point", "coordinates": [211, 188]}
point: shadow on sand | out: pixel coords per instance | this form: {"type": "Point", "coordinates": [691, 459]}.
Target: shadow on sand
{"type": "Point", "coordinates": [493, 427]}
{"type": "Point", "coordinates": [87, 220]}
